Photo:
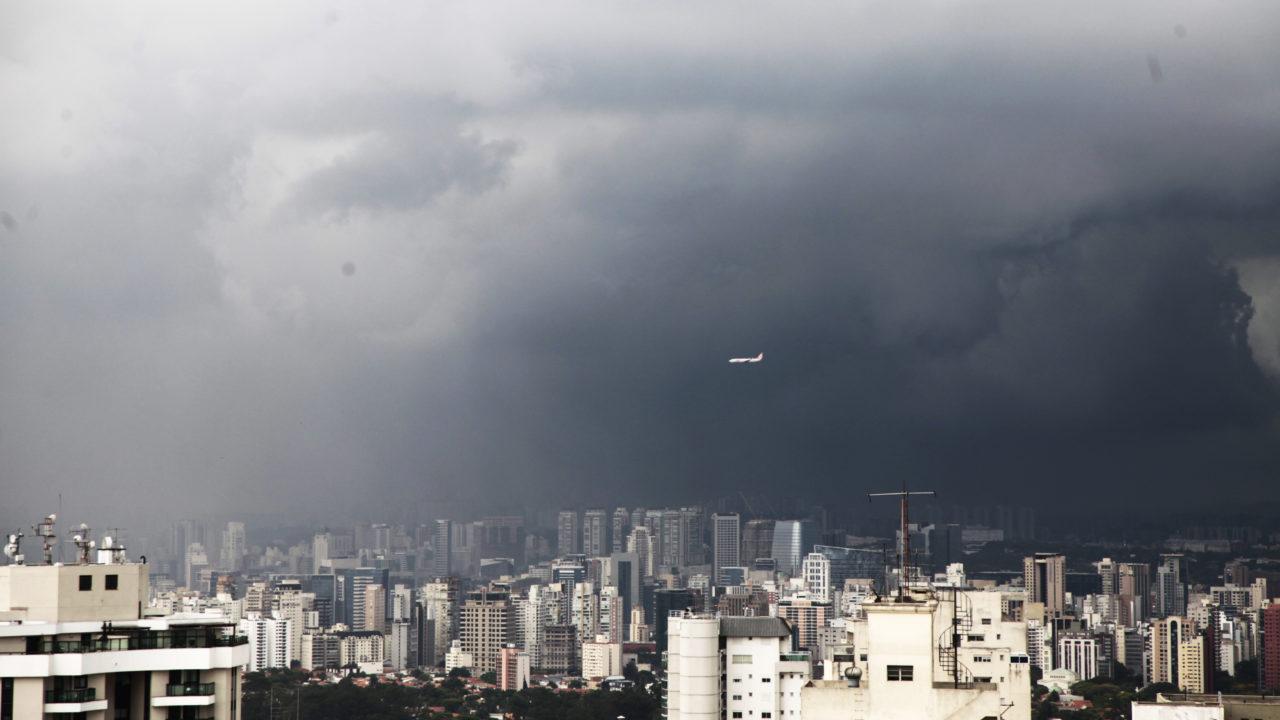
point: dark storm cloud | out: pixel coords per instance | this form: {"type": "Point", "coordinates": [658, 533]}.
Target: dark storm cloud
{"type": "Point", "coordinates": [415, 258]}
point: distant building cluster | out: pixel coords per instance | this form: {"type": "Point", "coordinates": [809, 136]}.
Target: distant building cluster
{"type": "Point", "coordinates": [736, 616]}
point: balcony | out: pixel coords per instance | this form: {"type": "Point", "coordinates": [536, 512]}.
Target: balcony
{"type": "Point", "coordinates": [141, 640]}
{"type": "Point", "coordinates": [185, 695]}
{"type": "Point", "coordinates": [79, 700]}
{"type": "Point", "coordinates": [70, 696]}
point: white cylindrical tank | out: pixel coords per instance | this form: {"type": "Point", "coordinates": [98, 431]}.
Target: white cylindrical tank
{"type": "Point", "coordinates": [673, 668]}
{"type": "Point", "coordinates": [700, 669]}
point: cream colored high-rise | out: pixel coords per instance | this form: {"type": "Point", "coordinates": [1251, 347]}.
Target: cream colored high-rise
{"type": "Point", "coordinates": [74, 639]}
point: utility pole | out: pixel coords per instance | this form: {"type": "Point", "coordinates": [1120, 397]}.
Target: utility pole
{"type": "Point", "coordinates": [904, 551]}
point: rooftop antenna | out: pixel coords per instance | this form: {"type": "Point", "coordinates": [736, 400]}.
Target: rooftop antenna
{"type": "Point", "coordinates": [13, 548]}
{"type": "Point", "coordinates": [904, 553]}
{"type": "Point", "coordinates": [44, 530]}
{"type": "Point", "coordinates": [83, 538]}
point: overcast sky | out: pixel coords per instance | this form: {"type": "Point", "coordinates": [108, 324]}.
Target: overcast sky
{"type": "Point", "coordinates": [294, 256]}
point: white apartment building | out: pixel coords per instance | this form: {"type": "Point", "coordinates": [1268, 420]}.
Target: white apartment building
{"type": "Point", "coordinates": [74, 640]}
{"type": "Point", "coordinates": [739, 668]}
{"type": "Point", "coordinates": [601, 658]}
{"type": "Point", "coordinates": [816, 571]}
{"type": "Point", "coordinates": [269, 641]}
{"type": "Point", "coordinates": [904, 662]}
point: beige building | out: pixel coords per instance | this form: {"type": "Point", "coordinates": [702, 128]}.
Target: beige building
{"type": "Point", "coordinates": [74, 640]}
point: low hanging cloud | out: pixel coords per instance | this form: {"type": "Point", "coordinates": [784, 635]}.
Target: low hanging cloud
{"type": "Point", "coordinates": [374, 261]}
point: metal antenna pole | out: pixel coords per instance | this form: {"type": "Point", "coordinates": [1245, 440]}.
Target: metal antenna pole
{"type": "Point", "coordinates": [904, 553]}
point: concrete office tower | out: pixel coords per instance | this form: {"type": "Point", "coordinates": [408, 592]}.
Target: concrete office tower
{"type": "Point", "coordinates": [513, 668]}
{"type": "Point", "coordinates": [1109, 574]}
{"type": "Point", "coordinates": [1044, 577]}
{"type": "Point", "coordinates": [568, 533]}
{"type": "Point", "coordinates": [74, 643]}
{"type": "Point", "coordinates": [595, 533]}
{"type": "Point", "coordinates": [352, 585]}
{"type": "Point", "coordinates": [816, 572]}
{"type": "Point", "coordinates": [726, 544]}
{"type": "Point", "coordinates": [442, 545]}
{"type": "Point", "coordinates": [196, 566]}
{"type": "Point", "coordinates": [792, 540]}
{"type": "Point", "coordinates": [640, 543]}
{"type": "Point", "coordinates": [673, 539]}
{"type": "Point", "coordinates": [374, 617]}
{"type": "Point", "coordinates": [757, 540]}
{"type": "Point", "coordinates": [380, 538]}
{"type": "Point", "coordinates": [732, 668]}
{"type": "Point", "coordinates": [233, 546]}
{"type": "Point", "coordinates": [560, 649]}
{"type": "Point", "coordinates": [1237, 573]}
{"type": "Point", "coordinates": [585, 610]}
{"type": "Point", "coordinates": [440, 603]}
{"type": "Point", "coordinates": [621, 528]}
{"type": "Point", "coordinates": [1170, 590]}
{"type": "Point", "coordinates": [1135, 593]}
{"type": "Point", "coordinates": [321, 549]}
{"type": "Point", "coordinates": [601, 658]}
{"type": "Point", "coordinates": [1079, 652]}
{"type": "Point", "coordinates": [485, 626]}
{"type": "Point", "coordinates": [638, 631]}
{"type": "Point", "coordinates": [666, 602]}
{"type": "Point", "coordinates": [1192, 664]}
{"type": "Point", "coordinates": [400, 645]}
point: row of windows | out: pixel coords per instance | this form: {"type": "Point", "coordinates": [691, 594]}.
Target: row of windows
{"type": "Point", "coordinates": [900, 673]}
{"type": "Point", "coordinates": [86, 582]}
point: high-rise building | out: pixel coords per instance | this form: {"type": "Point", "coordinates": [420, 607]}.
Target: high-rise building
{"type": "Point", "coordinates": [640, 543]}
{"type": "Point", "coordinates": [601, 658]}
{"type": "Point", "coordinates": [664, 602]}
{"type": "Point", "coordinates": [351, 586]}
{"type": "Point", "coordinates": [1109, 572]}
{"type": "Point", "coordinates": [84, 649]}
{"type": "Point", "coordinates": [440, 603]}
{"type": "Point", "coordinates": [268, 641]}
{"type": "Point", "coordinates": [513, 668]}
{"type": "Point", "coordinates": [595, 533]}
{"type": "Point", "coordinates": [1167, 635]}
{"type": "Point", "coordinates": [792, 540]}
{"type": "Point", "coordinates": [1170, 589]}
{"type": "Point", "coordinates": [442, 544]}
{"type": "Point", "coordinates": [726, 544]}
{"type": "Point", "coordinates": [233, 546]}
{"type": "Point", "coordinates": [757, 540]}
{"type": "Point", "coordinates": [568, 534]}
{"type": "Point", "coordinates": [374, 616]}
{"type": "Point", "coordinates": [1271, 648]}
{"type": "Point", "coordinates": [621, 528]}
{"type": "Point", "coordinates": [1044, 577]}
{"type": "Point", "coordinates": [816, 572]}
{"type": "Point", "coordinates": [485, 626]}
{"type": "Point", "coordinates": [808, 617]}
{"type": "Point", "coordinates": [1134, 593]}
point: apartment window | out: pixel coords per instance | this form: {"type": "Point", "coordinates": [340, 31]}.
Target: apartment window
{"type": "Point", "coordinates": [976, 638]}
{"type": "Point", "coordinates": [982, 658]}
{"type": "Point", "coordinates": [741, 659]}
{"type": "Point", "coordinates": [113, 582]}
{"type": "Point", "coordinates": [766, 714]}
{"type": "Point", "coordinates": [6, 698]}
{"type": "Point", "coordinates": [86, 582]}
{"type": "Point", "coordinates": [737, 697]}
{"type": "Point", "coordinates": [900, 673]}
{"type": "Point", "coordinates": [863, 657]}
{"type": "Point", "coordinates": [766, 679]}
{"type": "Point", "coordinates": [737, 713]}
{"type": "Point", "coordinates": [986, 621]}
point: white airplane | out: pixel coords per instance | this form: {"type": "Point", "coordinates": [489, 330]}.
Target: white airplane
{"type": "Point", "coordinates": [755, 359]}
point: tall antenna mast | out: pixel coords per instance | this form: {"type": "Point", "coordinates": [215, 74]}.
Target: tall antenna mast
{"type": "Point", "coordinates": [44, 530]}
{"type": "Point", "coordinates": [904, 553]}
